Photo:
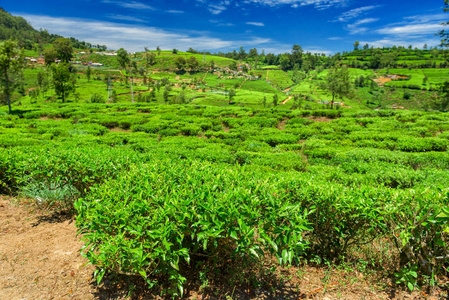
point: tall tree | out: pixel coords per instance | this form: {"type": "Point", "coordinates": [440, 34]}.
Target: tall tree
{"type": "Point", "coordinates": [231, 95]}
{"type": "Point", "coordinates": [338, 83]}
{"type": "Point", "coordinates": [444, 34]}
{"type": "Point", "coordinates": [12, 61]}
{"type": "Point", "coordinates": [88, 72]}
{"type": "Point", "coordinates": [43, 81]}
{"type": "Point", "coordinates": [356, 45]}
{"type": "Point", "coordinates": [63, 80]}
{"type": "Point", "coordinates": [64, 50]}
{"type": "Point", "coordinates": [123, 58]}
{"type": "Point", "coordinates": [125, 63]}
{"type": "Point", "coordinates": [296, 57]}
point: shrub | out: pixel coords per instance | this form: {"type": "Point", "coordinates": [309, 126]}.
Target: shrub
{"type": "Point", "coordinates": [97, 98]}
{"type": "Point", "coordinates": [160, 218]}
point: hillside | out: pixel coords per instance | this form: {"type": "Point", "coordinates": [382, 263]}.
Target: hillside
{"type": "Point", "coordinates": [397, 57]}
{"type": "Point", "coordinates": [17, 27]}
{"type": "Point", "coordinates": [34, 41]}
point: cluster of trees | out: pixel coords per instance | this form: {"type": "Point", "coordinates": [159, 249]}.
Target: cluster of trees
{"type": "Point", "coordinates": [61, 75]}
{"type": "Point", "coordinates": [287, 61]}
{"type": "Point", "coordinates": [190, 64]}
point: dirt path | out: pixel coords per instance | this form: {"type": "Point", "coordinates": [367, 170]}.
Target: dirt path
{"type": "Point", "coordinates": [286, 100]}
{"type": "Point", "coordinates": [39, 256]}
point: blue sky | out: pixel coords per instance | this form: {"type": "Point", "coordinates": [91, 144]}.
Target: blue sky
{"type": "Point", "coordinates": [323, 26]}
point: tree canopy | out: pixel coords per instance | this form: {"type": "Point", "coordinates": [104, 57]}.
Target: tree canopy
{"type": "Point", "coordinates": [444, 34]}
{"type": "Point", "coordinates": [338, 83]}
{"type": "Point", "coordinates": [12, 60]}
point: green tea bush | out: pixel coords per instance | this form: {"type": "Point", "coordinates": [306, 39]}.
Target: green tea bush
{"type": "Point", "coordinates": [159, 219]}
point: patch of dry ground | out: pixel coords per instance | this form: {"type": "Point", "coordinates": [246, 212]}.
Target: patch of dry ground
{"type": "Point", "coordinates": [39, 256]}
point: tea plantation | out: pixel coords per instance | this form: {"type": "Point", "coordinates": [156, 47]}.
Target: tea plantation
{"type": "Point", "coordinates": [166, 191]}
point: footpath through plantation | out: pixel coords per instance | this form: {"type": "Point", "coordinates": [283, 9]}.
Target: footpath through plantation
{"type": "Point", "coordinates": [195, 201]}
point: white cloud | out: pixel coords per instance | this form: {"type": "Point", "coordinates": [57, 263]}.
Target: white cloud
{"type": "Point", "coordinates": [427, 18]}
{"type": "Point", "coordinates": [126, 18]}
{"type": "Point", "coordinates": [221, 23]}
{"type": "Point", "coordinates": [134, 38]}
{"type": "Point", "coordinates": [319, 4]}
{"type": "Point", "coordinates": [217, 7]}
{"type": "Point", "coordinates": [354, 13]}
{"type": "Point", "coordinates": [414, 26]}
{"type": "Point", "coordinates": [401, 42]}
{"type": "Point", "coordinates": [355, 27]}
{"type": "Point", "coordinates": [412, 29]}
{"type": "Point", "coordinates": [173, 11]}
{"type": "Point", "coordinates": [256, 24]}
{"type": "Point", "coordinates": [220, 6]}
{"type": "Point", "coordinates": [129, 4]}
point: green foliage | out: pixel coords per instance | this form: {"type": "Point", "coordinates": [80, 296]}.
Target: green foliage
{"type": "Point", "coordinates": [64, 50]}
{"type": "Point", "coordinates": [97, 98]}
{"type": "Point", "coordinates": [157, 186]}
{"type": "Point", "coordinates": [63, 80]}
{"type": "Point", "coordinates": [51, 195]}
{"type": "Point", "coordinates": [338, 83]}
{"type": "Point", "coordinates": [11, 64]}
{"type": "Point", "coordinates": [160, 218]}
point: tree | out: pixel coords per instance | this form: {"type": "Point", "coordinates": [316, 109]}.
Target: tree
{"type": "Point", "coordinates": [253, 53]}
{"type": "Point", "coordinates": [124, 61]}
{"type": "Point", "coordinates": [442, 102]}
{"type": "Point", "coordinates": [193, 64]}
{"type": "Point", "coordinates": [150, 58]}
{"type": "Point", "coordinates": [338, 83]}
{"type": "Point", "coordinates": [233, 66]}
{"type": "Point", "coordinates": [158, 49]}
{"type": "Point", "coordinates": [42, 81]}
{"type": "Point", "coordinates": [356, 45]}
{"type": "Point", "coordinates": [275, 100]}
{"type": "Point", "coordinates": [12, 61]}
{"type": "Point", "coordinates": [242, 54]}
{"type": "Point", "coordinates": [365, 47]}
{"type": "Point", "coordinates": [63, 48]}
{"type": "Point", "coordinates": [123, 58]}
{"type": "Point", "coordinates": [444, 34]}
{"type": "Point", "coordinates": [296, 57]}
{"type": "Point", "coordinates": [166, 95]}
{"type": "Point", "coordinates": [285, 61]}
{"type": "Point", "coordinates": [63, 80]}
{"type": "Point", "coordinates": [34, 94]}
{"type": "Point", "coordinates": [88, 72]}
{"type": "Point", "coordinates": [181, 63]}
{"type": "Point", "coordinates": [50, 56]}
{"type": "Point", "coordinates": [231, 95]}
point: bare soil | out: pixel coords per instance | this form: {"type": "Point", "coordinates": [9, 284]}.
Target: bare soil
{"type": "Point", "coordinates": [286, 100]}
{"type": "Point", "coordinates": [39, 256]}
{"type": "Point", "coordinates": [40, 259]}
{"type": "Point", "coordinates": [382, 80]}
